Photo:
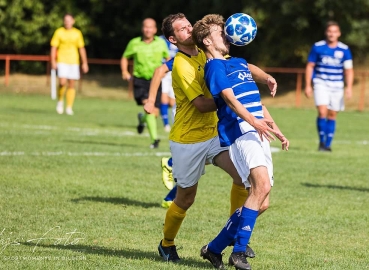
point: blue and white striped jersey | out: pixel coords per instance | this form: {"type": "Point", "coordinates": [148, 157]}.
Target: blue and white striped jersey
{"type": "Point", "coordinates": [330, 64]}
{"type": "Point", "coordinates": [171, 47]}
{"type": "Point", "coordinates": [232, 73]}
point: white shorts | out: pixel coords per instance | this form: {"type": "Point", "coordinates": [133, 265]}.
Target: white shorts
{"type": "Point", "coordinates": [166, 85]}
{"type": "Point", "coordinates": [249, 152]}
{"type": "Point", "coordinates": [332, 98]}
{"type": "Point", "coordinates": [189, 160]}
{"type": "Point", "coordinates": [68, 71]}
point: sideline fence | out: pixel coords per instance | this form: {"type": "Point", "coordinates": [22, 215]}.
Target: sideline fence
{"type": "Point", "coordinates": [361, 74]}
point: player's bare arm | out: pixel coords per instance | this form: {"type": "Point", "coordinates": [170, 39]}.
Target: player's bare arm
{"type": "Point", "coordinates": [204, 105]}
{"type": "Point", "coordinates": [261, 76]}
{"type": "Point", "coordinates": [308, 75]}
{"type": "Point", "coordinates": [53, 57]}
{"type": "Point", "coordinates": [349, 78]}
{"type": "Point", "coordinates": [284, 141]}
{"type": "Point", "coordinates": [262, 126]}
{"type": "Point", "coordinates": [83, 54]}
{"type": "Point", "coordinates": [159, 74]}
{"type": "Point", "coordinates": [124, 67]}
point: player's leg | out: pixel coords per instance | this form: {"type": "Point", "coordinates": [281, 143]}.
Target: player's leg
{"type": "Point", "coordinates": [336, 105]}
{"type": "Point", "coordinates": [187, 170]}
{"type": "Point", "coordinates": [73, 75]}
{"type": "Point", "coordinates": [62, 75]}
{"type": "Point", "coordinates": [321, 97]}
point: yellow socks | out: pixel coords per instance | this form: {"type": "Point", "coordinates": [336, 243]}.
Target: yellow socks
{"type": "Point", "coordinates": [173, 221]}
{"type": "Point", "coordinates": [70, 96]}
{"type": "Point", "coordinates": [61, 92]}
{"type": "Point", "coordinates": [238, 197]}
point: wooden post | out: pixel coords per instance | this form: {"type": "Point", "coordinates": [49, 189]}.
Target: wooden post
{"type": "Point", "coordinates": [362, 92]}
{"type": "Point", "coordinates": [7, 69]}
{"type": "Point", "coordinates": [48, 71]}
{"type": "Point", "coordinates": [298, 90]}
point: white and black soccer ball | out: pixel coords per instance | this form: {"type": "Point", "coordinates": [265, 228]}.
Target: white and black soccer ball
{"type": "Point", "coordinates": [240, 29]}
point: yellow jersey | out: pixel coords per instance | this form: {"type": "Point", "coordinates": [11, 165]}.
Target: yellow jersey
{"type": "Point", "coordinates": [67, 42]}
{"type": "Point", "coordinates": [190, 125]}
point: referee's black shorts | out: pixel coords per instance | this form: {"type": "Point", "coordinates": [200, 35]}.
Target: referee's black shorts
{"type": "Point", "coordinates": [141, 91]}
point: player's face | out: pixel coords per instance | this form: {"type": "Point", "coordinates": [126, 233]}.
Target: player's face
{"type": "Point", "coordinates": [182, 32]}
{"type": "Point", "coordinates": [148, 28]}
{"type": "Point", "coordinates": [220, 43]}
{"type": "Point", "coordinates": [68, 22]}
{"type": "Point", "coordinates": [333, 33]}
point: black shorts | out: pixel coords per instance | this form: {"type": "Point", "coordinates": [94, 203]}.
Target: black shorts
{"type": "Point", "coordinates": [141, 91]}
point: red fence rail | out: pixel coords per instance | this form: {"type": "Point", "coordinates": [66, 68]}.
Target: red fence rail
{"type": "Point", "coordinates": [362, 74]}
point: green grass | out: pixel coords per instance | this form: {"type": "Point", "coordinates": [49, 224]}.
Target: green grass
{"type": "Point", "coordinates": [91, 174]}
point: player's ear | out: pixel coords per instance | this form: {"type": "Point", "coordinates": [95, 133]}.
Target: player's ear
{"type": "Point", "coordinates": [172, 40]}
{"type": "Point", "coordinates": [206, 41]}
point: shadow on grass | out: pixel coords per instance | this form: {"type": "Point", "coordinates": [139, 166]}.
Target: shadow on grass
{"type": "Point", "coordinates": [118, 200]}
{"type": "Point", "coordinates": [335, 187]}
{"type": "Point", "coordinates": [28, 110]}
{"type": "Point", "coordinates": [101, 143]}
{"type": "Point", "coordinates": [123, 253]}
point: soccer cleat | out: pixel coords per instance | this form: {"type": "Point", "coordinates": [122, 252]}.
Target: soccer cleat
{"type": "Point", "coordinates": [239, 261]}
{"type": "Point", "coordinates": [167, 128]}
{"type": "Point", "coordinates": [169, 254]}
{"type": "Point", "coordinates": [141, 124]}
{"type": "Point", "coordinates": [249, 252]}
{"type": "Point", "coordinates": [214, 259]}
{"type": "Point", "coordinates": [60, 107]}
{"type": "Point", "coordinates": [328, 149]}
{"type": "Point", "coordinates": [167, 174]}
{"type": "Point", "coordinates": [69, 111]}
{"type": "Point", "coordinates": [166, 204]}
{"type": "Point", "coordinates": [155, 144]}
{"type": "Point", "coordinates": [321, 147]}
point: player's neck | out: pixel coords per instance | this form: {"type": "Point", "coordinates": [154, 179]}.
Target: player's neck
{"type": "Point", "coordinates": [190, 49]}
{"type": "Point", "coordinates": [332, 44]}
{"type": "Point", "coordinates": [147, 40]}
{"type": "Point", "coordinates": [212, 53]}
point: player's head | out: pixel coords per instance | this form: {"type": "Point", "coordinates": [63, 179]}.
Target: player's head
{"type": "Point", "coordinates": [149, 28]}
{"type": "Point", "coordinates": [332, 31]}
{"type": "Point", "coordinates": [208, 33]}
{"type": "Point", "coordinates": [68, 21]}
{"type": "Point", "coordinates": [177, 29]}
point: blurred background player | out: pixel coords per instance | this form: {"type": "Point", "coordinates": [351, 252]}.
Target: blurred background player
{"type": "Point", "coordinates": [167, 94]}
{"type": "Point", "coordinates": [147, 52]}
{"type": "Point", "coordinates": [329, 62]}
{"type": "Point", "coordinates": [66, 43]}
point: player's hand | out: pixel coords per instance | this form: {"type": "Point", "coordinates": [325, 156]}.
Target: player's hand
{"type": "Point", "coordinates": [272, 85]}
{"type": "Point", "coordinates": [85, 68]}
{"type": "Point", "coordinates": [54, 65]}
{"type": "Point", "coordinates": [285, 142]}
{"type": "Point", "coordinates": [149, 107]}
{"type": "Point", "coordinates": [126, 76]}
{"type": "Point", "coordinates": [263, 127]}
{"type": "Point", "coordinates": [348, 92]}
{"type": "Point", "coordinates": [308, 91]}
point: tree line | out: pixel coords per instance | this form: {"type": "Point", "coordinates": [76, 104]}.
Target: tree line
{"type": "Point", "coordinates": [286, 29]}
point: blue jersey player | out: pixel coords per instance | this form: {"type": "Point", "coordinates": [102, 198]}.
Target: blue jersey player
{"type": "Point", "coordinates": [239, 111]}
{"type": "Point", "coordinates": [329, 63]}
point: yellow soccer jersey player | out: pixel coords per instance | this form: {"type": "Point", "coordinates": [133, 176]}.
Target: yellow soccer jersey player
{"type": "Point", "coordinates": [67, 46]}
{"type": "Point", "coordinates": [190, 125]}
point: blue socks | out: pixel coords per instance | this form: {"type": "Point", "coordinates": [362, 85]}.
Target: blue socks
{"type": "Point", "coordinates": [326, 129]}
{"type": "Point", "coordinates": [227, 234]}
{"type": "Point", "coordinates": [171, 195]}
{"type": "Point", "coordinates": [330, 128]}
{"type": "Point", "coordinates": [321, 125]}
{"type": "Point", "coordinates": [245, 227]}
{"type": "Point", "coordinates": [164, 113]}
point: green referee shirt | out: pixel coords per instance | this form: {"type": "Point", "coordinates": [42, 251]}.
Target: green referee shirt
{"type": "Point", "coordinates": [146, 56]}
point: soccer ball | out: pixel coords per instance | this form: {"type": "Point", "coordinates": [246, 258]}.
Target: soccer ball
{"type": "Point", "coordinates": [240, 29]}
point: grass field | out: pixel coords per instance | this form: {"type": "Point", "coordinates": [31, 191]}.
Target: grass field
{"type": "Point", "coordinates": [84, 192]}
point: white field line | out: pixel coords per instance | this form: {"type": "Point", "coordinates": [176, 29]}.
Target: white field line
{"type": "Point", "coordinates": [88, 154]}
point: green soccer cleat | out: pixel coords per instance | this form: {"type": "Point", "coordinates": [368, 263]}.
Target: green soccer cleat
{"type": "Point", "coordinates": [167, 174]}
